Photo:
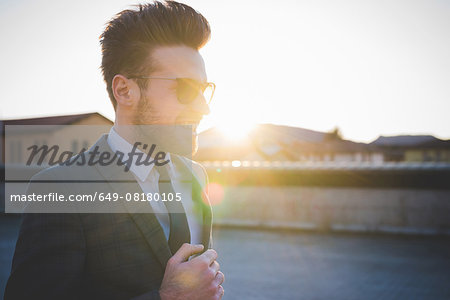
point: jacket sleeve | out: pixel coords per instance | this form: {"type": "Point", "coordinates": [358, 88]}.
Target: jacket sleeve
{"type": "Point", "coordinates": [152, 295]}
{"type": "Point", "coordinates": [49, 257]}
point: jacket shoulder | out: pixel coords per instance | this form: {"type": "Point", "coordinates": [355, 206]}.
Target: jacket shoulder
{"type": "Point", "coordinates": [197, 169]}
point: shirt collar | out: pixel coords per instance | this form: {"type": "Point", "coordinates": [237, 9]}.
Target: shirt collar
{"type": "Point", "coordinates": [118, 143]}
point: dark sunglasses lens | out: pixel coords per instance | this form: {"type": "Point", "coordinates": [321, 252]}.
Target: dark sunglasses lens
{"type": "Point", "coordinates": [187, 90]}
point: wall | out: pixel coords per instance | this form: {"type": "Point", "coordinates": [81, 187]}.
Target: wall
{"type": "Point", "coordinates": [336, 209]}
{"type": "Point", "coordinates": [391, 197]}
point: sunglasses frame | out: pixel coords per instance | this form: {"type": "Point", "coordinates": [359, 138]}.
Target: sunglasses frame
{"type": "Point", "coordinates": [203, 85]}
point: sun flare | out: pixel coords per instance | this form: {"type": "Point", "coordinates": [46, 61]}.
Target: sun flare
{"type": "Point", "coordinates": [236, 130]}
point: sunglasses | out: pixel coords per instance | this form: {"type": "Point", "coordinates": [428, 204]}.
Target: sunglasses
{"type": "Point", "coordinates": [188, 89]}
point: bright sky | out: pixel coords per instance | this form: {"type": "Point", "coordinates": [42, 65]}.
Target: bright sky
{"type": "Point", "coordinates": [369, 67]}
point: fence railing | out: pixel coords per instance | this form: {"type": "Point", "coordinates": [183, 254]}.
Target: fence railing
{"type": "Point", "coordinates": [331, 174]}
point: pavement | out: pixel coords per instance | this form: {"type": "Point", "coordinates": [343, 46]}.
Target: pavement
{"type": "Point", "coordinates": [298, 265]}
{"type": "Point", "coordinates": [276, 265]}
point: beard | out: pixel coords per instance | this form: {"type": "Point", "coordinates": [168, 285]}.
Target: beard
{"type": "Point", "coordinates": [175, 138]}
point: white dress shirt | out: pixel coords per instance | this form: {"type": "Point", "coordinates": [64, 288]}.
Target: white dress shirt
{"type": "Point", "coordinates": [148, 177]}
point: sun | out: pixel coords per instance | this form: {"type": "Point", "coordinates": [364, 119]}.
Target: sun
{"type": "Point", "coordinates": [236, 131]}
{"type": "Point", "coordinates": [233, 124]}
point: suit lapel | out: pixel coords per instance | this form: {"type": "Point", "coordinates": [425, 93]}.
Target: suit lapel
{"type": "Point", "coordinates": [141, 212]}
{"type": "Point", "coordinates": [124, 182]}
{"type": "Point", "coordinates": [199, 197]}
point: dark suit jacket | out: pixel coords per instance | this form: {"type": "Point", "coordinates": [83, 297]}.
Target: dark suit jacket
{"type": "Point", "coordinates": [95, 255]}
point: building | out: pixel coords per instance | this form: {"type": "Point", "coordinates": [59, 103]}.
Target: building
{"type": "Point", "coordinates": [414, 148]}
{"type": "Point", "coordinates": [268, 142]}
{"type": "Point", "coordinates": [70, 132]}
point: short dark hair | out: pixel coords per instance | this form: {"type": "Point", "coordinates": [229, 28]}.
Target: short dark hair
{"type": "Point", "coordinates": [131, 34]}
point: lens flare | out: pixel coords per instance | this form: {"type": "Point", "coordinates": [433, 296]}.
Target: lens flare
{"type": "Point", "coordinates": [215, 192]}
{"type": "Point", "coordinates": [236, 131]}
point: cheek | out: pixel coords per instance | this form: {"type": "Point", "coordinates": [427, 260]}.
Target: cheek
{"type": "Point", "coordinates": [165, 106]}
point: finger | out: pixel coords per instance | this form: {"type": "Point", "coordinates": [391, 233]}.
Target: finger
{"type": "Point", "coordinates": [221, 291]}
{"type": "Point", "coordinates": [215, 266]}
{"type": "Point", "coordinates": [210, 255]}
{"type": "Point", "coordinates": [185, 251]}
{"type": "Point", "coordinates": [220, 278]}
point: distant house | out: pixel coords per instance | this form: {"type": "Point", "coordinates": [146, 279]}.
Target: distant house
{"type": "Point", "coordinates": [51, 131]}
{"type": "Point", "coordinates": [414, 148]}
{"type": "Point", "coordinates": [269, 142]}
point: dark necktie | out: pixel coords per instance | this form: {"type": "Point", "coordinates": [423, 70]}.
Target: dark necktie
{"type": "Point", "coordinates": [179, 228]}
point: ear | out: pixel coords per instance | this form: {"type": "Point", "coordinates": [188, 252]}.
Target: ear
{"type": "Point", "coordinates": [125, 90]}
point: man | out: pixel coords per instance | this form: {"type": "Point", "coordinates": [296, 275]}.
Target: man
{"type": "Point", "coordinates": [155, 76]}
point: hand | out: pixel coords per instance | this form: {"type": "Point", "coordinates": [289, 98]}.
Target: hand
{"type": "Point", "coordinates": [198, 278]}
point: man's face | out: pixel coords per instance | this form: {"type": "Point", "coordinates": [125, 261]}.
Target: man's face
{"type": "Point", "coordinates": [159, 104]}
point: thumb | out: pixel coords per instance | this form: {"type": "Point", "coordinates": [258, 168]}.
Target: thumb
{"type": "Point", "coordinates": [185, 251]}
